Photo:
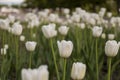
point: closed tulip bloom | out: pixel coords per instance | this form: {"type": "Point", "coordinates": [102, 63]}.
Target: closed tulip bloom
{"type": "Point", "coordinates": [6, 46]}
{"type": "Point", "coordinates": [109, 14]}
{"type": "Point", "coordinates": [11, 18]}
{"type": "Point", "coordinates": [111, 48]}
{"type": "Point", "coordinates": [35, 74]}
{"type": "Point", "coordinates": [49, 31]}
{"type": "Point", "coordinates": [111, 36]}
{"type": "Point", "coordinates": [17, 29]}
{"type": "Point", "coordinates": [103, 36]}
{"type": "Point", "coordinates": [3, 51]}
{"type": "Point", "coordinates": [78, 71]}
{"type": "Point", "coordinates": [26, 74]}
{"type": "Point", "coordinates": [97, 31]}
{"type": "Point", "coordinates": [63, 30]}
{"type": "Point", "coordinates": [43, 73]}
{"type": "Point", "coordinates": [82, 25]}
{"type": "Point", "coordinates": [65, 48]}
{"type": "Point", "coordinates": [22, 38]}
{"type": "Point", "coordinates": [4, 24]}
{"type": "Point", "coordinates": [30, 45]}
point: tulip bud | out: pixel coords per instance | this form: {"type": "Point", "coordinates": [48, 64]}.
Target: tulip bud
{"type": "Point", "coordinates": [63, 30]}
{"type": "Point", "coordinates": [111, 48]}
{"type": "Point", "coordinates": [30, 45]}
{"type": "Point", "coordinates": [103, 36]}
{"type": "Point", "coordinates": [97, 31]}
{"type": "Point", "coordinates": [78, 71]}
{"type": "Point", "coordinates": [65, 48]}
{"type": "Point", "coordinates": [49, 31]}
{"type": "Point", "coordinates": [22, 38]}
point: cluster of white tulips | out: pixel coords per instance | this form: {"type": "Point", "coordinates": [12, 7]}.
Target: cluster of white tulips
{"type": "Point", "coordinates": [72, 45]}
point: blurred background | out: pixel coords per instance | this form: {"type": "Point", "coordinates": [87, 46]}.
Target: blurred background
{"type": "Point", "coordinates": [91, 5]}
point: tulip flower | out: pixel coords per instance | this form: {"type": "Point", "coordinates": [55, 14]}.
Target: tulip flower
{"type": "Point", "coordinates": [65, 50]}
{"type": "Point", "coordinates": [111, 50]}
{"type": "Point", "coordinates": [78, 71]}
{"type": "Point", "coordinates": [40, 73]}
{"type": "Point", "coordinates": [49, 31]}
{"type": "Point", "coordinates": [63, 30]}
{"type": "Point", "coordinates": [103, 36]}
{"type": "Point", "coordinates": [4, 24]}
{"type": "Point", "coordinates": [22, 38]}
{"type": "Point", "coordinates": [97, 31]}
{"type": "Point", "coordinates": [111, 36]}
{"type": "Point", "coordinates": [30, 46]}
{"type": "Point", "coordinates": [6, 46]}
{"type": "Point", "coordinates": [43, 73]}
{"type": "Point", "coordinates": [17, 29]}
{"type": "Point", "coordinates": [11, 18]}
{"type": "Point", "coordinates": [3, 51]}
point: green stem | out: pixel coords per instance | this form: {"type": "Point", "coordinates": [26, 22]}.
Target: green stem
{"type": "Point", "coordinates": [54, 58]}
{"type": "Point", "coordinates": [77, 40]}
{"type": "Point", "coordinates": [31, 33]}
{"type": "Point", "coordinates": [64, 73]}
{"type": "Point", "coordinates": [109, 67]}
{"type": "Point", "coordinates": [97, 74]}
{"type": "Point", "coordinates": [16, 43]}
{"type": "Point", "coordinates": [30, 60]}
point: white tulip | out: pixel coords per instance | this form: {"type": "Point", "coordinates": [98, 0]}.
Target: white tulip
{"type": "Point", "coordinates": [111, 48]}
{"type": "Point", "coordinates": [109, 14]}
{"type": "Point", "coordinates": [3, 51]}
{"type": "Point", "coordinates": [4, 24]}
{"type": "Point", "coordinates": [92, 21]}
{"type": "Point", "coordinates": [11, 18]}
{"type": "Point", "coordinates": [22, 38]}
{"type": "Point", "coordinates": [66, 11]}
{"type": "Point", "coordinates": [43, 73]}
{"type": "Point", "coordinates": [65, 48]}
{"type": "Point", "coordinates": [49, 31]}
{"type": "Point", "coordinates": [111, 36]}
{"type": "Point", "coordinates": [97, 31]}
{"type": "Point", "coordinates": [82, 25]}
{"type": "Point", "coordinates": [35, 74]}
{"type": "Point", "coordinates": [30, 45]}
{"type": "Point", "coordinates": [119, 43]}
{"type": "Point", "coordinates": [6, 46]}
{"type": "Point", "coordinates": [63, 30]}
{"type": "Point", "coordinates": [78, 71]}
{"type": "Point", "coordinates": [26, 75]}
{"type": "Point", "coordinates": [34, 35]}
{"type": "Point", "coordinates": [103, 36]}
{"type": "Point", "coordinates": [17, 29]}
